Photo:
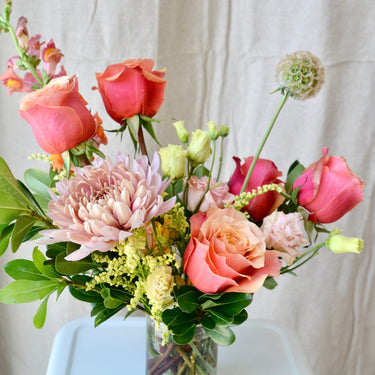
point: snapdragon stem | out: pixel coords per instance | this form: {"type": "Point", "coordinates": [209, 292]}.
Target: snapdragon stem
{"type": "Point", "coordinates": [21, 53]}
{"type": "Point", "coordinates": [256, 156]}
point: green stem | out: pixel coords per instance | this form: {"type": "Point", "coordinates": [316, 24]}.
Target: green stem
{"type": "Point", "coordinates": [23, 55]}
{"type": "Point", "coordinates": [141, 141]}
{"type": "Point", "coordinates": [256, 157]}
{"type": "Point", "coordinates": [209, 176]}
{"type": "Point", "coordinates": [220, 158]}
{"type": "Point", "coordinates": [312, 251]}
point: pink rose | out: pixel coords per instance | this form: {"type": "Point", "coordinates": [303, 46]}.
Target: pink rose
{"type": "Point", "coordinates": [284, 233]}
{"type": "Point", "coordinates": [265, 172]}
{"type": "Point", "coordinates": [217, 196]}
{"type": "Point", "coordinates": [58, 115]}
{"type": "Point", "coordinates": [131, 88]}
{"type": "Point", "coordinates": [227, 253]}
{"type": "Point", "coordinates": [328, 189]}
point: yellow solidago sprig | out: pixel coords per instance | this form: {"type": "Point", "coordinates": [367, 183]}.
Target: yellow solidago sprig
{"type": "Point", "coordinates": [132, 267]}
{"type": "Point", "coordinates": [243, 199]}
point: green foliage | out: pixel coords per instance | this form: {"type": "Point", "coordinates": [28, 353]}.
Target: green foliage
{"type": "Point", "coordinates": [21, 229]}
{"type": "Point", "coordinates": [215, 312]}
{"type": "Point", "coordinates": [10, 208]}
{"type": "Point", "coordinates": [295, 170]}
{"type": "Point", "coordinates": [270, 283]}
{"type": "Point", "coordinates": [23, 269]}
{"type": "Point", "coordinates": [5, 235]}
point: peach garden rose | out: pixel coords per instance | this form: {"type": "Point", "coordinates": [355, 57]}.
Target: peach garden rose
{"type": "Point", "coordinates": [227, 253]}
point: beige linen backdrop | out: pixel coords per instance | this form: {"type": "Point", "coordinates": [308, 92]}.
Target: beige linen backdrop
{"type": "Point", "coordinates": [220, 58]}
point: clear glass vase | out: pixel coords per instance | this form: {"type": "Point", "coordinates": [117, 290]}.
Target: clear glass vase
{"type": "Point", "coordinates": [196, 358]}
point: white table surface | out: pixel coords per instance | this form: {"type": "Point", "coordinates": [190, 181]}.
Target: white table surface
{"type": "Point", "coordinates": [118, 347]}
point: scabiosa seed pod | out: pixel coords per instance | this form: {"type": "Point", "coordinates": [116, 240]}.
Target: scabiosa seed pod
{"type": "Point", "coordinates": [301, 73]}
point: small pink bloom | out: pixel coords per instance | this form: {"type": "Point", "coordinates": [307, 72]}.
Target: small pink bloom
{"type": "Point", "coordinates": [16, 83]}
{"type": "Point", "coordinates": [58, 115]}
{"type": "Point", "coordinates": [131, 88]}
{"type": "Point", "coordinates": [101, 205]}
{"type": "Point", "coordinates": [284, 233]}
{"type": "Point", "coordinates": [21, 32]}
{"type": "Point", "coordinates": [51, 56]}
{"type": "Point", "coordinates": [227, 253]}
{"type": "Point", "coordinates": [329, 189]}
{"type": "Point", "coordinates": [265, 172]}
{"type": "Point", "coordinates": [217, 196]}
{"type": "Point", "coordinates": [33, 48]}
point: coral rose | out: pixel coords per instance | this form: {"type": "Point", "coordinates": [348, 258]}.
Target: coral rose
{"type": "Point", "coordinates": [284, 233]}
{"type": "Point", "coordinates": [328, 189]}
{"type": "Point", "coordinates": [131, 88]}
{"type": "Point", "coordinates": [265, 172]}
{"type": "Point", "coordinates": [227, 253]}
{"type": "Point", "coordinates": [58, 115]}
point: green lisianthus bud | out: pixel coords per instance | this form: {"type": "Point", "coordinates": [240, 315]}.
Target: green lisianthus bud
{"type": "Point", "coordinates": [340, 244]}
{"type": "Point", "coordinates": [224, 130]}
{"type": "Point", "coordinates": [199, 149]}
{"type": "Point", "coordinates": [301, 73]}
{"type": "Point", "coordinates": [212, 130]}
{"type": "Point", "coordinates": [173, 161]}
{"type": "Point", "coordinates": [182, 133]}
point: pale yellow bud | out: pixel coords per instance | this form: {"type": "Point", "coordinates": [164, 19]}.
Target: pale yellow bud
{"type": "Point", "coordinates": [199, 149]}
{"type": "Point", "coordinates": [173, 161]}
{"type": "Point", "coordinates": [183, 134]}
{"type": "Point", "coordinates": [224, 130]}
{"type": "Point", "coordinates": [340, 244]}
{"type": "Point", "coordinates": [212, 130]}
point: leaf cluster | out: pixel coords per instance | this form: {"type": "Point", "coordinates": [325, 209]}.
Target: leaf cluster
{"type": "Point", "coordinates": [215, 312]}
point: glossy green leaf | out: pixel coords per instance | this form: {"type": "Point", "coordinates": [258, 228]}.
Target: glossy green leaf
{"type": "Point", "coordinates": [69, 267]}
{"type": "Point", "coordinates": [188, 298]}
{"type": "Point", "coordinates": [220, 317]}
{"type": "Point", "coordinates": [40, 316]}
{"type": "Point", "coordinates": [270, 283]}
{"type": "Point", "coordinates": [295, 170]}
{"type": "Point", "coordinates": [240, 318]}
{"type": "Point", "coordinates": [85, 295]}
{"type": "Point", "coordinates": [23, 291]}
{"type": "Point", "coordinates": [21, 229]}
{"type": "Point", "coordinates": [223, 336]}
{"type": "Point", "coordinates": [8, 183]}
{"type": "Point", "coordinates": [150, 130]}
{"type": "Point", "coordinates": [39, 260]}
{"type": "Point", "coordinates": [186, 336]}
{"type": "Point", "coordinates": [229, 303]}
{"type": "Point", "coordinates": [5, 235]}
{"type": "Point", "coordinates": [10, 208]}
{"type": "Point", "coordinates": [103, 315]}
{"type": "Point", "coordinates": [30, 196]}
{"type": "Point", "coordinates": [201, 171]}
{"type": "Point", "coordinates": [23, 269]}
{"type": "Point", "coordinates": [38, 181]}
{"type": "Point", "coordinates": [207, 322]}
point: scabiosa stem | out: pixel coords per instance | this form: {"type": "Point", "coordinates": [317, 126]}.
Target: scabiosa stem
{"type": "Point", "coordinates": [260, 148]}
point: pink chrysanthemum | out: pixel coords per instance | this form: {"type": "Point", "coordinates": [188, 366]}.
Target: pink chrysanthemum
{"type": "Point", "coordinates": [101, 205]}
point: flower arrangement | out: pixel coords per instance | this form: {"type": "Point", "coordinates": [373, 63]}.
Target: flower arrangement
{"type": "Point", "coordinates": [162, 234]}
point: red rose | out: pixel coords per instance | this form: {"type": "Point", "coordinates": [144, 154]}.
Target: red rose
{"type": "Point", "coordinates": [227, 253]}
{"type": "Point", "coordinates": [265, 172]}
{"type": "Point", "coordinates": [328, 189]}
{"type": "Point", "coordinates": [58, 115]}
{"type": "Point", "coordinates": [131, 88]}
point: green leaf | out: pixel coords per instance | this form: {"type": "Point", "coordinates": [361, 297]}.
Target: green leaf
{"type": "Point", "coordinates": [295, 170]}
{"type": "Point", "coordinates": [40, 316]}
{"type": "Point", "coordinates": [5, 235]}
{"type": "Point", "coordinates": [10, 208]}
{"type": "Point", "coordinates": [229, 303]}
{"type": "Point", "coordinates": [67, 162]}
{"type": "Point", "coordinates": [150, 130]}
{"type": "Point", "coordinates": [178, 321]}
{"type": "Point", "coordinates": [185, 337]}
{"type": "Point", "coordinates": [23, 291]}
{"type": "Point", "coordinates": [21, 229]}
{"type": "Point", "coordinates": [85, 295]}
{"type": "Point", "coordinates": [31, 198]}
{"type": "Point", "coordinates": [133, 124]}
{"type": "Point", "coordinates": [23, 269]}
{"type": "Point", "coordinates": [9, 185]}
{"type": "Point", "coordinates": [70, 267]}
{"type": "Point", "coordinates": [201, 171]}
{"type": "Point", "coordinates": [109, 301]}
{"type": "Point", "coordinates": [220, 318]}
{"type": "Point", "coordinates": [188, 298]}
{"type": "Point", "coordinates": [240, 318]}
{"type": "Point", "coordinates": [207, 322]}
{"type": "Point", "coordinates": [39, 260]}
{"type": "Point", "coordinates": [103, 315]}
{"type": "Point", "coordinates": [223, 336]}
{"type": "Point", "coordinates": [270, 283]}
